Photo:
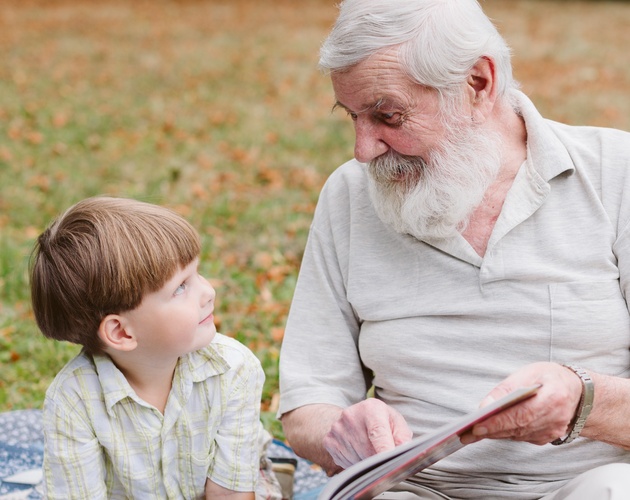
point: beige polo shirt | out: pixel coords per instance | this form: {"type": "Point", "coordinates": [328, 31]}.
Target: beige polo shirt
{"type": "Point", "coordinates": [434, 326]}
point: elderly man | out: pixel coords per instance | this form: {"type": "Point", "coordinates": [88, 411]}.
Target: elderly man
{"type": "Point", "coordinates": [471, 247]}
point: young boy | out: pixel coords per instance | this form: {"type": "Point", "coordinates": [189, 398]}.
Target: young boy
{"type": "Point", "coordinates": [157, 405]}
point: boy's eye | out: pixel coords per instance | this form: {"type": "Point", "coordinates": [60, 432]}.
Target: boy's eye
{"type": "Point", "coordinates": [180, 289]}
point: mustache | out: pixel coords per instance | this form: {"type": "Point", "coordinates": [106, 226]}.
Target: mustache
{"type": "Point", "coordinates": [395, 168]}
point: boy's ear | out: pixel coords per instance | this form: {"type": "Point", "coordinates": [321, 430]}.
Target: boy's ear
{"type": "Point", "coordinates": [114, 333]}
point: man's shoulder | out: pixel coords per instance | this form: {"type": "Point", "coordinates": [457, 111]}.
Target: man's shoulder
{"type": "Point", "coordinates": [351, 173]}
{"type": "Point", "coordinates": [603, 141]}
{"type": "Point", "coordinates": [346, 188]}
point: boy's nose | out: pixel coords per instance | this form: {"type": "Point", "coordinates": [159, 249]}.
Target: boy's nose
{"type": "Point", "coordinates": [208, 293]}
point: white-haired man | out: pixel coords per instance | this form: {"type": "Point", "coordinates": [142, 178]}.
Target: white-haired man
{"type": "Point", "coordinates": [470, 248]}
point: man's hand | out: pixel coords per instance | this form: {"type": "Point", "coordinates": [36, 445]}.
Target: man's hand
{"type": "Point", "coordinates": [540, 419]}
{"type": "Point", "coordinates": [364, 429]}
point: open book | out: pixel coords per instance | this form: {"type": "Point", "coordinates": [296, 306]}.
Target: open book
{"type": "Point", "coordinates": [378, 473]}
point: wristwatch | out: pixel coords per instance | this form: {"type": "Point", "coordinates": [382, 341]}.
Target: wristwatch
{"type": "Point", "coordinates": [584, 406]}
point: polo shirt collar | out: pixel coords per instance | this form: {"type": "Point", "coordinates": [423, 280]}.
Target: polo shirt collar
{"type": "Point", "coordinates": [547, 157]}
{"type": "Point", "coordinates": [547, 154]}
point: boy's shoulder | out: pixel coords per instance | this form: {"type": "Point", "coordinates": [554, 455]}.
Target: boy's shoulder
{"type": "Point", "coordinates": [81, 363]}
{"type": "Point", "coordinates": [231, 348]}
{"type": "Point", "coordinates": [228, 350]}
{"type": "Point", "coordinates": [73, 376]}
{"type": "Point", "coordinates": [228, 343]}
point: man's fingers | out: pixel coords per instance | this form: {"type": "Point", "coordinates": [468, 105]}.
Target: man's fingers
{"type": "Point", "coordinates": [540, 419]}
{"type": "Point", "coordinates": [401, 431]}
{"type": "Point", "coordinates": [381, 438]}
{"type": "Point", "coordinates": [364, 429]}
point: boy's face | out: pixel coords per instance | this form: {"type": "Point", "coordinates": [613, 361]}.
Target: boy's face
{"type": "Point", "coordinates": [176, 319]}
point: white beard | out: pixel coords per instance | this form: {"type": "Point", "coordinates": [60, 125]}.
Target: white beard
{"type": "Point", "coordinates": [435, 198]}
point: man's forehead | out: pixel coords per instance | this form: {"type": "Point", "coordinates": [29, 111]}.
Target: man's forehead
{"type": "Point", "coordinates": [365, 100]}
{"type": "Point", "coordinates": [372, 84]}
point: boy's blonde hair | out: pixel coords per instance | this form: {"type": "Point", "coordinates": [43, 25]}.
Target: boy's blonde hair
{"type": "Point", "coordinates": [101, 257]}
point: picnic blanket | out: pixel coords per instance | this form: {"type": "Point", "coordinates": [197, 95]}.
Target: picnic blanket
{"type": "Point", "coordinates": [22, 449]}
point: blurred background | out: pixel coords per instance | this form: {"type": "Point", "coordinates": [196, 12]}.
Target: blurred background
{"type": "Point", "coordinates": [216, 108]}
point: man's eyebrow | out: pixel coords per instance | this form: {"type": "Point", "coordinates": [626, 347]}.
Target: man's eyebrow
{"type": "Point", "coordinates": [338, 105]}
{"type": "Point", "coordinates": [371, 107]}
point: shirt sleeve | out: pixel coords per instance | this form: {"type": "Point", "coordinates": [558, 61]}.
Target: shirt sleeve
{"type": "Point", "coordinates": [74, 466]}
{"type": "Point", "coordinates": [236, 462]}
{"type": "Point", "coordinates": [320, 361]}
{"type": "Point", "coordinates": [614, 168]}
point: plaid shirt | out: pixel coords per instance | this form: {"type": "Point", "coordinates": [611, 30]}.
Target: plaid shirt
{"type": "Point", "coordinates": [103, 441]}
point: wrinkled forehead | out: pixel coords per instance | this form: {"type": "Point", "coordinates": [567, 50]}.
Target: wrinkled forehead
{"type": "Point", "coordinates": [376, 82]}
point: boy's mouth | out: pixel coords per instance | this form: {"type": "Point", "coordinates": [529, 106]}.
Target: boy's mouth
{"type": "Point", "coordinates": [208, 319]}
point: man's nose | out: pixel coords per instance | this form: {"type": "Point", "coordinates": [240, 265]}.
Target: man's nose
{"type": "Point", "coordinates": [368, 143]}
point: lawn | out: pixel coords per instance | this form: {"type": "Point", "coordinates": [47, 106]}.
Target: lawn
{"type": "Point", "coordinates": [216, 109]}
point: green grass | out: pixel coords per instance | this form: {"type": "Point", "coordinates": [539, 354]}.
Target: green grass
{"type": "Point", "coordinates": [216, 108]}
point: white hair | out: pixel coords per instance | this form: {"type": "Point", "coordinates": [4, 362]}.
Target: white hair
{"type": "Point", "coordinates": [434, 198]}
{"type": "Point", "coordinates": [438, 41]}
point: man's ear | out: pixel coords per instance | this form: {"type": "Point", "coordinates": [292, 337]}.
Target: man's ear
{"type": "Point", "coordinates": [115, 334]}
{"type": "Point", "coordinates": [482, 88]}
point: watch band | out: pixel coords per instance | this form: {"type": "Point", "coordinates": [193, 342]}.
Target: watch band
{"type": "Point", "coordinates": [584, 406]}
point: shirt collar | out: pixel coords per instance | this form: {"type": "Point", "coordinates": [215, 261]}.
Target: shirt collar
{"type": "Point", "coordinates": [549, 156]}
{"type": "Point", "coordinates": [113, 382]}
{"type": "Point", "coordinates": [196, 366]}
{"type": "Point", "coordinates": [204, 363]}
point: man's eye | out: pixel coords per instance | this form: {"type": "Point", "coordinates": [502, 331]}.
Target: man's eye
{"type": "Point", "coordinates": [180, 289]}
{"type": "Point", "coordinates": [353, 116]}
{"type": "Point", "coordinates": [393, 118]}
